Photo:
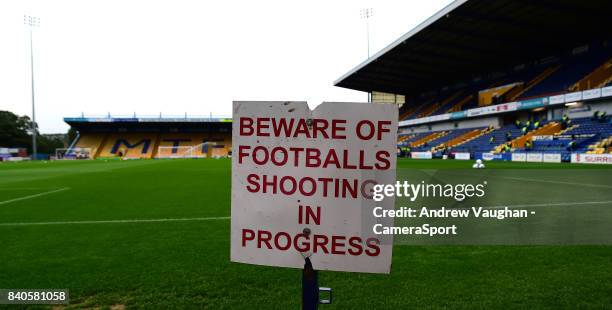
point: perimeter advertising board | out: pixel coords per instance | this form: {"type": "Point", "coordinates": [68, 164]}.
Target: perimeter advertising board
{"type": "Point", "coordinates": [591, 158]}
{"type": "Point", "coordinates": [302, 183]}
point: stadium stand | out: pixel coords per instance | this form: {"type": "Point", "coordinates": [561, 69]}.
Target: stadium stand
{"type": "Point", "coordinates": [147, 138]}
{"type": "Point", "coordinates": [93, 141]}
{"type": "Point", "coordinates": [471, 70]}
{"type": "Point", "coordinates": [585, 70]}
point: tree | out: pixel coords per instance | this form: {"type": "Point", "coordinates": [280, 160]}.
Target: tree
{"type": "Point", "coordinates": [15, 130]}
{"type": "Point", "coordinates": [47, 145]}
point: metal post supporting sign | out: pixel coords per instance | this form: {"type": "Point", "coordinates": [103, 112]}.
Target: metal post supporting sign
{"type": "Point", "coordinates": [310, 288]}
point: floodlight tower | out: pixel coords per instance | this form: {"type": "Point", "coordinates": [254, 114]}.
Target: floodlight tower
{"type": "Point", "coordinates": [367, 14]}
{"type": "Point", "coordinates": [32, 22]}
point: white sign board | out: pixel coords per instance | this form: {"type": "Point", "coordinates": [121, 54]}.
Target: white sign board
{"type": "Point", "coordinates": [551, 158]}
{"type": "Point", "coordinates": [462, 156]}
{"type": "Point", "coordinates": [606, 91]}
{"type": "Point", "coordinates": [519, 157]}
{"type": "Point", "coordinates": [591, 94]}
{"type": "Point", "coordinates": [592, 158]}
{"type": "Point", "coordinates": [575, 96]}
{"type": "Point", "coordinates": [556, 99]}
{"type": "Point", "coordinates": [302, 183]}
{"type": "Point", "coordinates": [421, 155]}
{"type": "Point", "coordinates": [541, 138]}
{"type": "Point", "coordinates": [488, 156]}
{"type": "Point", "coordinates": [534, 157]}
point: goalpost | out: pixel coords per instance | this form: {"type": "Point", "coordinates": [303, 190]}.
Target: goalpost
{"type": "Point", "coordinates": [197, 151]}
{"type": "Point", "coordinates": [73, 153]}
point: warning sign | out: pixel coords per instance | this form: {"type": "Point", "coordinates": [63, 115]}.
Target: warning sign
{"type": "Point", "coordinates": [302, 184]}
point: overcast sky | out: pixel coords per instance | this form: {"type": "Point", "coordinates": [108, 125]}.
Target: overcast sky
{"type": "Point", "coordinates": [183, 56]}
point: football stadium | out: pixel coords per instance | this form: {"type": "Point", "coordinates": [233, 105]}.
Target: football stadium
{"type": "Point", "coordinates": [134, 212]}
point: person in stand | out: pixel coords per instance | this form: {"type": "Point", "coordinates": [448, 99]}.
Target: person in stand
{"type": "Point", "coordinates": [528, 145]}
{"type": "Point", "coordinates": [517, 123]}
{"type": "Point", "coordinates": [492, 140]}
{"type": "Point", "coordinates": [507, 147]}
{"type": "Point", "coordinates": [407, 151]}
{"type": "Point", "coordinates": [536, 124]}
{"type": "Point", "coordinates": [572, 144]}
{"type": "Point", "coordinates": [524, 130]}
{"type": "Point", "coordinates": [565, 121]}
{"type": "Point", "coordinates": [602, 117]}
{"type": "Point", "coordinates": [508, 136]}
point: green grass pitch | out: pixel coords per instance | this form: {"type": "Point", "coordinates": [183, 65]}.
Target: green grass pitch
{"type": "Point", "coordinates": [185, 264]}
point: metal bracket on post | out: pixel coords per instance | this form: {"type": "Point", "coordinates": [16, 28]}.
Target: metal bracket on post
{"type": "Point", "coordinates": [326, 301]}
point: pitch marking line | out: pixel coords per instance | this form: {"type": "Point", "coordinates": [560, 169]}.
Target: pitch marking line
{"type": "Point", "coordinates": [217, 218]}
{"type": "Point", "coordinates": [34, 196]}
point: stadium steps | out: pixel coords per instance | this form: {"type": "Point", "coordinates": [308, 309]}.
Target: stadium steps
{"type": "Point", "coordinates": [548, 129]}
{"type": "Point", "coordinates": [403, 138]}
{"type": "Point", "coordinates": [412, 137]}
{"type": "Point", "coordinates": [459, 105]}
{"type": "Point", "coordinates": [404, 114]}
{"type": "Point", "coordinates": [434, 107]}
{"type": "Point", "coordinates": [567, 129]}
{"type": "Point", "coordinates": [518, 91]}
{"type": "Point", "coordinates": [417, 110]}
{"type": "Point", "coordinates": [598, 78]}
{"type": "Point", "coordinates": [409, 111]}
{"type": "Point", "coordinates": [427, 138]}
{"type": "Point", "coordinates": [446, 140]}
{"type": "Point", "coordinates": [467, 137]}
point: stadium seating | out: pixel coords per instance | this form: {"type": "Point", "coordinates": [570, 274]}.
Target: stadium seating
{"type": "Point", "coordinates": [598, 78]}
{"type": "Point", "coordinates": [587, 125]}
{"type": "Point", "coordinates": [129, 145]}
{"type": "Point", "coordinates": [411, 138]}
{"type": "Point", "coordinates": [424, 141]}
{"type": "Point", "coordinates": [151, 145]}
{"type": "Point", "coordinates": [557, 75]}
{"type": "Point", "coordinates": [545, 130]}
{"type": "Point", "coordinates": [92, 141]}
{"type": "Point", "coordinates": [482, 143]}
{"type": "Point", "coordinates": [449, 136]}
{"type": "Point", "coordinates": [560, 145]}
{"type": "Point", "coordinates": [601, 147]}
{"type": "Point", "coordinates": [572, 70]}
{"type": "Point", "coordinates": [470, 135]}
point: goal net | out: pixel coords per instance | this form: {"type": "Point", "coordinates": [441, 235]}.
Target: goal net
{"type": "Point", "coordinates": [73, 153]}
{"type": "Point", "coordinates": [202, 150]}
